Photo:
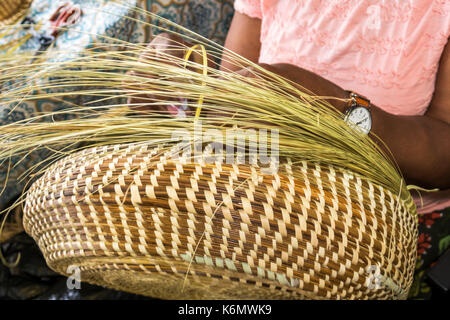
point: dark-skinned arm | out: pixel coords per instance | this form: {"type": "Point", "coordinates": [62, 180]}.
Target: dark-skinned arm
{"type": "Point", "coordinates": [420, 144]}
{"type": "Point", "coordinates": [243, 38]}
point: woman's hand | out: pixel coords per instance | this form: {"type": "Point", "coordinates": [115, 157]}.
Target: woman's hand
{"type": "Point", "coordinates": [162, 45]}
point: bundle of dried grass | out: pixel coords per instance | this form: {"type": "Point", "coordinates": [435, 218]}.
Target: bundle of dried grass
{"type": "Point", "coordinates": [336, 220]}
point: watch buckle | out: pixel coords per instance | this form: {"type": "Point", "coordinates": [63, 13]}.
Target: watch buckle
{"type": "Point", "coordinates": [358, 100]}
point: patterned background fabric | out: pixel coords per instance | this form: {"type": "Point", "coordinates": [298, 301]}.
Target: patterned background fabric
{"type": "Point", "coordinates": [209, 18]}
{"type": "Point", "coordinates": [99, 18]}
{"type": "Point", "coordinates": [434, 241]}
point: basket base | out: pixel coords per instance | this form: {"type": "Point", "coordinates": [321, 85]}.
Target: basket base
{"type": "Point", "coordinates": [153, 281]}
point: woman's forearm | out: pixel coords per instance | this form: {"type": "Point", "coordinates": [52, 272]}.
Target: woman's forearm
{"type": "Point", "coordinates": [419, 144]}
{"type": "Point", "coordinates": [243, 39]}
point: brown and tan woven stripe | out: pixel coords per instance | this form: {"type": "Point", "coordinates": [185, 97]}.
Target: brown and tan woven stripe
{"type": "Point", "coordinates": [135, 220]}
{"type": "Point", "coordinates": [13, 10]}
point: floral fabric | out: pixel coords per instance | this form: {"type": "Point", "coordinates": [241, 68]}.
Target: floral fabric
{"type": "Point", "coordinates": [209, 18]}
{"type": "Point", "coordinates": [434, 240]}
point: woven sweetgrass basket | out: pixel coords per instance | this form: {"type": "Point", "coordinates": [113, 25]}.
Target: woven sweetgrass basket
{"type": "Point", "coordinates": [13, 10]}
{"type": "Point", "coordinates": [135, 220]}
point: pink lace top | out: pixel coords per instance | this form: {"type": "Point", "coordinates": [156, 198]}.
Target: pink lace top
{"type": "Point", "coordinates": [388, 51]}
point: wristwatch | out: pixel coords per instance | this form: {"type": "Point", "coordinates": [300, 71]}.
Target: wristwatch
{"type": "Point", "coordinates": [358, 113]}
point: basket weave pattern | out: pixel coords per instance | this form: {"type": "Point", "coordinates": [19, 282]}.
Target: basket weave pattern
{"type": "Point", "coordinates": [135, 220]}
{"type": "Point", "coordinates": [12, 10]}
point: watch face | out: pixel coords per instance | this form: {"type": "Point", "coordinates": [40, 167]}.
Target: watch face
{"type": "Point", "coordinates": [360, 118]}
